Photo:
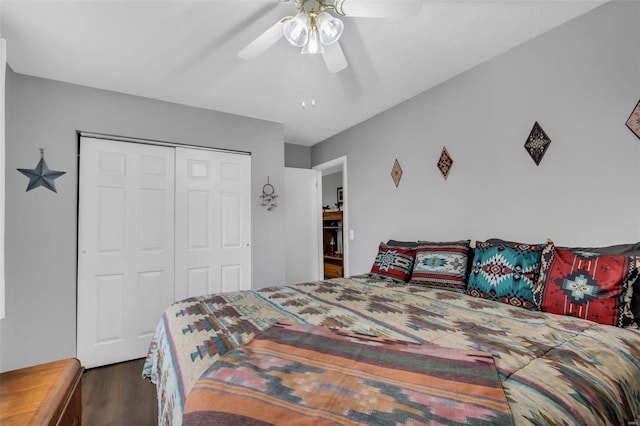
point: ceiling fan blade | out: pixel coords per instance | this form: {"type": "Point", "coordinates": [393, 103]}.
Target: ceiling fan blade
{"type": "Point", "coordinates": [264, 41]}
{"type": "Point", "coordinates": [334, 58]}
{"type": "Point", "coordinates": [379, 8]}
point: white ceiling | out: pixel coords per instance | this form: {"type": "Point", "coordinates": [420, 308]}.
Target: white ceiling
{"type": "Point", "coordinates": [186, 52]}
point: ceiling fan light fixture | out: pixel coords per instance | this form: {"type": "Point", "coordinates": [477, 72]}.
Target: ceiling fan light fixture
{"type": "Point", "coordinates": [313, 45]}
{"type": "Point", "coordinates": [296, 30]}
{"type": "Point", "coordinates": [330, 28]}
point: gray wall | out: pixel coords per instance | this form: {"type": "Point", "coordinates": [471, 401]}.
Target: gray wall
{"type": "Point", "coordinates": [579, 81]}
{"type": "Point", "coordinates": [41, 234]}
{"type": "Point", "coordinates": [297, 156]}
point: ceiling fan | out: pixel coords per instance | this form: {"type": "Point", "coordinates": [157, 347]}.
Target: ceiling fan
{"type": "Point", "coordinates": [316, 29]}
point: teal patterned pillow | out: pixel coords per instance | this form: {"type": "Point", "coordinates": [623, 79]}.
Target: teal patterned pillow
{"type": "Point", "coordinates": [505, 272]}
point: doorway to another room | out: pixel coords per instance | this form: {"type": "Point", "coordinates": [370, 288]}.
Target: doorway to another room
{"type": "Point", "coordinates": [333, 208]}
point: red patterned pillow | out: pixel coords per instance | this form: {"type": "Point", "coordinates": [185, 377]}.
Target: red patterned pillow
{"type": "Point", "coordinates": [394, 262]}
{"type": "Point", "coordinates": [586, 285]}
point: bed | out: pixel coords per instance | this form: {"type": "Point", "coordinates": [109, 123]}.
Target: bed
{"type": "Point", "coordinates": [550, 369]}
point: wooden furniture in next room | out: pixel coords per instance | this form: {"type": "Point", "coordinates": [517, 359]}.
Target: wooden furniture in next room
{"type": "Point", "coordinates": [45, 394]}
{"type": "Point", "coordinates": [332, 244]}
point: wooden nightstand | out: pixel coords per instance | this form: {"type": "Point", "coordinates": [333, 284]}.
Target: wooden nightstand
{"type": "Point", "coordinates": [45, 394]}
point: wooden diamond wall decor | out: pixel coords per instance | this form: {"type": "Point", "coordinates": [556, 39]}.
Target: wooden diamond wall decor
{"type": "Point", "coordinates": [537, 143]}
{"type": "Point", "coordinates": [445, 162]}
{"type": "Point", "coordinates": [396, 173]}
{"type": "Point", "coordinates": [633, 123]}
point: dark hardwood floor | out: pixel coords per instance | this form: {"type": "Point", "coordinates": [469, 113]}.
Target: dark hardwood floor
{"type": "Point", "coordinates": [118, 395]}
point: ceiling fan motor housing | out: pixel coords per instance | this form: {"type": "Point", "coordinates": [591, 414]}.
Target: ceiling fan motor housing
{"type": "Point", "coordinates": [309, 6]}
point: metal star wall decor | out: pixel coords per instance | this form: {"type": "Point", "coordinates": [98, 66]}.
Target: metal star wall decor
{"type": "Point", "coordinates": [41, 175]}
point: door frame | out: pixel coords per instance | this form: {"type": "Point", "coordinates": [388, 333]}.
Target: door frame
{"type": "Point", "coordinates": [326, 168]}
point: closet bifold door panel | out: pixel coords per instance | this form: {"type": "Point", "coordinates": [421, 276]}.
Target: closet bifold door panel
{"type": "Point", "coordinates": [213, 222]}
{"type": "Point", "coordinates": [125, 247]}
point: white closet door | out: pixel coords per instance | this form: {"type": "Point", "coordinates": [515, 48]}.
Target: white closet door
{"type": "Point", "coordinates": [126, 247]}
{"type": "Point", "coordinates": [213, 222]}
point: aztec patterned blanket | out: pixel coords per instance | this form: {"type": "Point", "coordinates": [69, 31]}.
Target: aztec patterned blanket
{"type": "Point", "coordinates": [302, 374]}
{"type": "Point", "coordinates": [554, 369]}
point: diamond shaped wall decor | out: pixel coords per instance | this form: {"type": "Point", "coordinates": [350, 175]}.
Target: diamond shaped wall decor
{"type": "Point", "coordinates": [396, 173]}
{"type": "Point", "coordinates": [445, 162]}
{"type": "Point", "coordinates": [633, 122]}
{"type": "Point", "coordinates": [537, 143]}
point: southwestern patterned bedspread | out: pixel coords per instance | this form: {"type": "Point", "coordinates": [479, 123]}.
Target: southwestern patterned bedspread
{"type": "Point", "coordinates": [303, 374]}
{"type": "Point", "coordinates": [553, 369]}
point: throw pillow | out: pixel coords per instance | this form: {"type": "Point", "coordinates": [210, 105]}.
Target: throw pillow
{"type": "Point", "coordinates": [635, 301]}
{"type": "Point", "coordinates": [586, 285]}
{"type": "Point", "coordinates": [403, 244]}
{"type": "Point", "coordinates": [632, 249]}
{"type": "Point", "coordinates": [442, 265]}
{"type": "Point", "coordinates": [393, 262]}
{"type": "Point", "coordinates": [505, 272]}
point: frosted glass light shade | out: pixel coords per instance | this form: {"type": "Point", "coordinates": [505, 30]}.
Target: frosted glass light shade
{"type": "Point", "coordinates": [296, 30]}
{"type": "Point", "coordinates": [314, 45]}
{"type": "Point", "coordinates": [330, 28]}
